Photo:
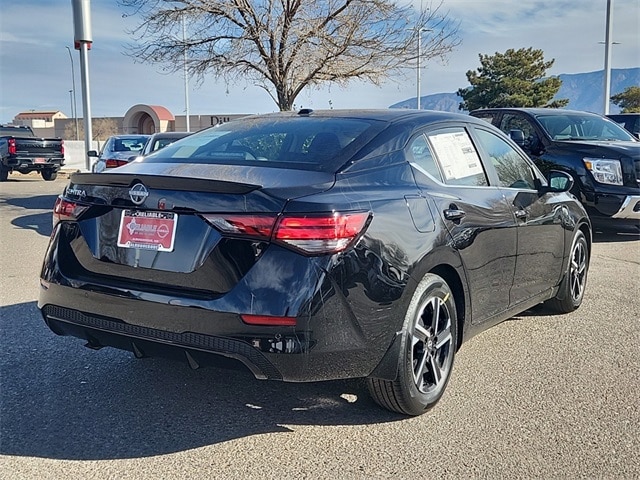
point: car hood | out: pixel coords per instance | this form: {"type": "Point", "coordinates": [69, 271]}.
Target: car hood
{"type": "Point", "coordinates": [601, 147]}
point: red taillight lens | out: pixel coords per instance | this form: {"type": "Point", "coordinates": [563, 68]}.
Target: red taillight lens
{"type": "Point", "coordinates": [314, 234]}
{"type": "Point", "coordinates": [12, 146]}
{"type": "Point", "coordinates": [320, 234]}
{"type": "Point", "coordinates": [268, 320]}
{"type": "Point", "coordinates": [66, 210]}
{"type": "Point", "coordinates": [61, 147]}
{"type": "Point", "coordinates": [113, 163]}
{"type": "Point", "coordinates": [253, 225]}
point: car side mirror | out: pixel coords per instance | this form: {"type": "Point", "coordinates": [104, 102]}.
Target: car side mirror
{"type": "Point", "coordinates": [558, 181]}
{"type": "Point", "coordinates": [92, 153]}
{"type": "Point", "coordinates": [517, 136]}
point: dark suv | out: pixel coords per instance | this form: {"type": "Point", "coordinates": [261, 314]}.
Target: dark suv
{"type": "Point", "coordinates": [630, 121]}
{"type": "Point", "coordinates": [602, 157]}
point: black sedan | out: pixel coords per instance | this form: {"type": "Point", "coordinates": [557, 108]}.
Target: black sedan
{"type": "Point", "coordinates": [317, 245]}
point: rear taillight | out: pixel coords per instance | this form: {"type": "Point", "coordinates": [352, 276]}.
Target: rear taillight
{"type": "Point", "coordinates": [12, 146]}
{"type": "Point", "coordinates": [61, 147]}
{"type": "Point", "coordinates": [113, 163]}
{"type": "Point", "coordinates": [320, 234]}
{"type": "Point", "coordinates": [66, 210]}
{"type": "Point", "coordinates": [313, 234]}
{"type": "Point", "coordinates": [259, 226]}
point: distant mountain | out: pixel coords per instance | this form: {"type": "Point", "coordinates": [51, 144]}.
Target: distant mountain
{"type": "Point", "coordinates": [585, 91]}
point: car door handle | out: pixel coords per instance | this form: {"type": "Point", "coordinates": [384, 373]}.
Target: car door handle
{"type": "Point", "coordinates": [453, 214]}
{"type": "Point", "coordinates": [521, 213]}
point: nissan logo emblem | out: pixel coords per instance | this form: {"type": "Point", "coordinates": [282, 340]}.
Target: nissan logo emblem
{"type": "Point", "coordinates": [138, 193]}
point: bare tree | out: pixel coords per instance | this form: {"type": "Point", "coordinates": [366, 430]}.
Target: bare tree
{"type": "Point", "coordinates": [101, 128]}
{"type": "Point", "coordinates": [285, 46]}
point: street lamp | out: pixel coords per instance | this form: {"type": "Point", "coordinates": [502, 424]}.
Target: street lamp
{"type": "Point", "coordinates": [72, 92]}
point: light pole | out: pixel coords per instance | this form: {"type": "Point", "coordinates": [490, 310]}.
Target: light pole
{"type": "Point", "coordinates": [74, 108]}
{"type": "Point", "coordinates": [420, 30]}
{"type": "Point", "coordinates": [607, 54]}
{"type": "Point", "coordinates": [186, 73]}
{"type": "Point", "coordinates": [71, 102]}
{"type": "Point", "coordinates": [418, 68]}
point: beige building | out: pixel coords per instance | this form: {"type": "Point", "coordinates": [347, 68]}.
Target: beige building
{"type": "Point", "coordinates": [138, 119]}
{"type": "Point", "coordinates": [41, 122]}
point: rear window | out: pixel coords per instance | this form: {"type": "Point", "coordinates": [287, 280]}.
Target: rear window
{"type": "Point", "coordinates": [128, 144]}
{"type": "Point", "coordinates": [15, 132]}
{"type": "Point", "coordinates": [308, 143]}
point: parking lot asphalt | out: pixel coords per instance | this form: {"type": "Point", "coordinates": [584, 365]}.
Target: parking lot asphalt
{"type": "Point", "coordinates": [539, 396]}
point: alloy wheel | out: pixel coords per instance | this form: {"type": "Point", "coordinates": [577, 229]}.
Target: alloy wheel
{"type": "Point", "coordinates": [432, 345]}
{"type": "Point", "coordinates": [578, 272]}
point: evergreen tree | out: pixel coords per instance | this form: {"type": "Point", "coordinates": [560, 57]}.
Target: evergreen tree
{"type": "Point", "coordinates": [515, 78]}
{"type": "Point", "coordinates": [628, 100]}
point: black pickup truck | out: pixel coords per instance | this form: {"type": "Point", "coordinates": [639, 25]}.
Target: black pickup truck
{"type": "Point", "coordinates": [602, 157]}
{"type": "Point", "coordinates": [22, 151]}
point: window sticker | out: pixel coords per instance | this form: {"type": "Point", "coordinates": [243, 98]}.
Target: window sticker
{"type": "Point", "coordinates": [457, 155]}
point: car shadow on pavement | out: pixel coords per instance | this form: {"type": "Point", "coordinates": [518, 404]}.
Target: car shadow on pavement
{"type": "Point", "coordinates": [39, 222]}
{"type": "Point", "coordinates": [62, 401]}
{"type": "Point", "coordinates": [621, 234]}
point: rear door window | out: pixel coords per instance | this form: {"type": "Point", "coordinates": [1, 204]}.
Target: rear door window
{"type": "Point", "coordinates": [457, 157]}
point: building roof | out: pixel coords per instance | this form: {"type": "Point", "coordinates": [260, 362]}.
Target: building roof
{"type": "Point", "coordinates": [162, 112]}
{"type": "Point", "coordinates": [34, 113]}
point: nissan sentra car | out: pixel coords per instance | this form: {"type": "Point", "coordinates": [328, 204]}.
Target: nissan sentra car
{"type": "Point", "coordinates": [317, 245]}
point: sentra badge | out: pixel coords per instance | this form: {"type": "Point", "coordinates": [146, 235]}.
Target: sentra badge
{"type": "Point", "coordinates": [76, 192]}
{"type": "Point", "coordinates": [138, 193]}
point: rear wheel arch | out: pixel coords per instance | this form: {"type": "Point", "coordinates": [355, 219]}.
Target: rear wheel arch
{"type": "Point", "coordinates": [450, 275]}
{"type": "Point", "coordinates": [446, 263]}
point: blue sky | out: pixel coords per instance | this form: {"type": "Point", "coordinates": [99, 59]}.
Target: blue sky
{"type": "Point", "coordinates": [35, 68]}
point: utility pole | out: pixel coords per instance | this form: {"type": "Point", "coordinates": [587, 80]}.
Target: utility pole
{"type": "Point", "coordinates": [186, 73]}
{"type": "Point", "coordinates": [74, 105]}
{"type": "Point", "coordinates": [607, 55]}
{"type": "Point", "coordinates": [82, 41]}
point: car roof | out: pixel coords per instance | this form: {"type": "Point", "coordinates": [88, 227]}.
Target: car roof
{"type": "Point", "coordinates": [171, 134]}
{"type": "Point", "coordinates": [389, 114]}
{"type": "Point", "coordinates": [536, 111]}
{"type": "Point", "coordinates": [132, 135]}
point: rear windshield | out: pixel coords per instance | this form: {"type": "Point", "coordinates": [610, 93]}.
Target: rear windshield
{"type": "Point", "coordinates": [15, 132]}
{"type": "Point", "coordinates": [308, 143]}
{"type": "Point", "coordinates": [128, 144]}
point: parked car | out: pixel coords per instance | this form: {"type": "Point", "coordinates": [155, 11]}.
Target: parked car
{"type": "Point", "coordinates": [317, 245]}
{"type": "Point", "coordinates": [117, 151]}
{"type": "Point", "coordinates": [602, 157]}
{"type": "Point", "coordinates": [22, 151]}
{"type": "Point", "coordinates": [630, 121]}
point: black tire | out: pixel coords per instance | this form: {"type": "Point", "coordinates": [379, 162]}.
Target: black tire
{"type": "Point", "coordinates": [49, 174]}
{"type": "Point", "coordinates": [571, 291]}
{"type": "Point", "coordinates": [4, 174]}
{"type": "Point", "coordinates": [427, 352]}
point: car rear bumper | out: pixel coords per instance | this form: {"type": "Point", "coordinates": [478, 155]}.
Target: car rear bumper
{"type": "Point", "coordinates": [26, 164]}
{"type": "Point", "coordinates": [328, 344]}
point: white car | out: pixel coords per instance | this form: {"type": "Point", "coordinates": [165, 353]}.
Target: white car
{"type": "Point", "coordinates": [118, 150]}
